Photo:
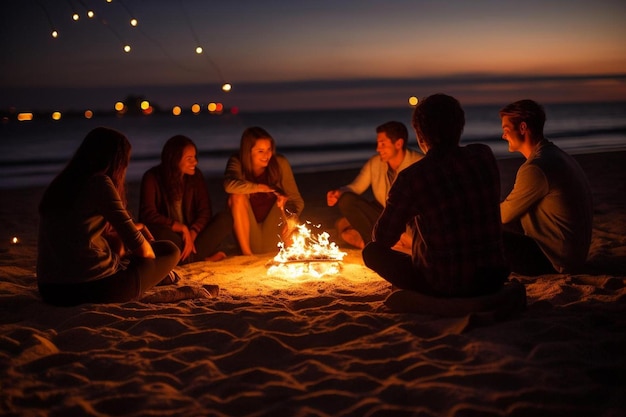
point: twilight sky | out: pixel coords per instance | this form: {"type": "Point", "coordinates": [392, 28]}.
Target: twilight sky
{"type": "Point", "coordinates": [310, 54]}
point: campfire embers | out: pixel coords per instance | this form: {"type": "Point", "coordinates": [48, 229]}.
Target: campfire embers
{"type": "Point", "coordinates": [307, 255]}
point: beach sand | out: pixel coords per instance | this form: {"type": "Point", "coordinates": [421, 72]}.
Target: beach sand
{"type": "Point", "coordinates": [317, 346]}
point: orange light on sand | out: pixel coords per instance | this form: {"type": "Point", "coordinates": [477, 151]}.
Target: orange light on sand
{"type": "Point", "coordinates": [126, 48]}
{"type": "Point", "coordinates": [25, 117]}
{"type": "Point", "coordinates": [195, 108]}
{"type": "Point", "coordinates": [88, 114]}
{"type": "Point", "coordinates": [176, 110]}
{"type": "Point", "coordinates": [56, 115]}
{"type": "Point", "coordinates": [307, 255]}
{"type": "Point", "coordinates": [199, 50]}
{"type": "Point", "coordinates": [413, 101]}
{"type": "Point", "coordinates": [227, 87]}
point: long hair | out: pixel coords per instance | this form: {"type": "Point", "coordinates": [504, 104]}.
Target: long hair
{"type": "Point", "coordinates": [248, 140]}
{"type": "Point", "coordinates": [103, 151]}
{"type": "Point", "coordinates": [439, 120]}
{"type": "Point", "coordinates": [170, 166]}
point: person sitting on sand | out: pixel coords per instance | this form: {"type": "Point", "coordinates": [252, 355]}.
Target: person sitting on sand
{"type": "Point", "coordinates": [451, 199]}
{"type": "Point", "coordinates": [548, 215]}
{"type": "Point", "coordinates": [175, 204]}
{"type": "Point", "coordinates": [263, 195]}
{"type": "Point", "coordinates": [379, 173]}
{"type": "Point", "coordinates": [82, 213]}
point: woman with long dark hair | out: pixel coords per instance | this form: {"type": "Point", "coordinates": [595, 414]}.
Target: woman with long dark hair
{"type": "Point", "coordinates": [262, 192]}
{"type": "Point", "coordinates": [176, 206]}
{"type": "Point", "coordinates": [89, 248]}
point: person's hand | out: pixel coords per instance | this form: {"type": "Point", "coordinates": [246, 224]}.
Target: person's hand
{"type": "Point", "coordinates": [188, 242]}
{"type": "Point", "coordinates": [281, 200]}
{"type": "Point", "coordinates": [144, 231]}
{"type": "Point", "coordinates": [264, 188]}
{"type": "Point", "coordinates": [332, 197]}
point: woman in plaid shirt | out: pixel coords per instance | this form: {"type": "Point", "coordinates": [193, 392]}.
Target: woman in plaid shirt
{"type": "Point", "coordinates": [451, 200]}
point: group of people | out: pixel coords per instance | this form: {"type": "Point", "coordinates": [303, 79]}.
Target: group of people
{"type": "Point", "coordinates": [437, 224]}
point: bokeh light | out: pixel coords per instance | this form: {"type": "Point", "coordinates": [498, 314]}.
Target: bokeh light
{"type": "Point", "coordinates": [227, 87]}
{"type": "Point", "coordinates": [133, 22]}
{"type": "Point", "coordinates": [212, 107]}
{"type": "Point", "coordinates": [90, 14]}
{"type": "Point", "coordinates": [88, 114]}
{"type": "Point", "coordinates": [199, 50]}
{"type": "Point", "coordinates": [25, 117]}
{"type": "Point", "coordinates": [56, 115]}
{"type": "Point", "coordinates": [413, 101]}
{"type": "Point", "coordinates": [126, 48]}
{"type": "Point", "coordinates": [75, 17]}
{"type": "Point", "coordinates": [176, 110]}
{"type": "Point", "coordinates": [195, 108]}
{"type": "Point", "coordinates": [119, 106]}
{"type": "Point", "coordinates": [55, 34]}
{"type": "Point", "coordinates": [144, 104]}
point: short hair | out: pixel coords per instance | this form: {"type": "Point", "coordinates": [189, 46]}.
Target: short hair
{"type": "Point", "coordinates": [528, 111]}
{"type": "Point", "coordinates": [394, 131]}
{"type": "Point", "coordinates": [439, 120]}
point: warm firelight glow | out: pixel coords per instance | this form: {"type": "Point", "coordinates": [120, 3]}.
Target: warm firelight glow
{"type": "Point", "coordinates": [176, 110]}
{"type": "Point", "coordinates": [413, 101]}
{"type": "Point", "coordinates": [308, 254]}
{"type": "Point", "coordinates": [56, 115]}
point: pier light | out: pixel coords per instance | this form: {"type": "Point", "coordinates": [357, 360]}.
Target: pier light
{"type": "Point", "coordinates": [212, 107]}
{"type": "Point", "coordinates": [195, 108]}
{"type": "Point", "coordinates": [120, 107]}
{"type": "Point", "coordinates": [56, 115]}
{"type": "Point", "coordinates": [176, 110]}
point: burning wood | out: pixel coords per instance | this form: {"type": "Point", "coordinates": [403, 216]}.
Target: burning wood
{"type": "Point", "coordinates": [307, 254]}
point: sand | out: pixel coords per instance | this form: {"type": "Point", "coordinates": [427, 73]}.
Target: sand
{"type": "Point", "coordinates": [329, 346]}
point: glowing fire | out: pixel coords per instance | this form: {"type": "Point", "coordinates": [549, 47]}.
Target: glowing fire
{"type": "Point", "coordinates": [307, 255]}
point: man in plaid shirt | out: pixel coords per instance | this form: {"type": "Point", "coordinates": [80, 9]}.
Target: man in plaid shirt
{"type": "Point", "coordinates": [451, 200]}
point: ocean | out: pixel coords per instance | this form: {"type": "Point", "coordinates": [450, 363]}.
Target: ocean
{"type": "Point", "coordinates": [32, 153]}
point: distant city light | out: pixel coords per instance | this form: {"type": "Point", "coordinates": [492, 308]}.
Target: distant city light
{"type": "Point", "coordinates": [227, 87]}
{"type": "Point", "coordinates": [413, 101]}
{"type": "Point", "coordinates": [25, 117]}
{"type": "Point", "coordinates": [176, 110]}
{"type": "Point", "coordinates": [212, 107]}
{"type": "Point", "coordinates": [119, 106]}
{"type": "Point", "coordinates": [126, 48]}
{"type": "Point", "coordinates": [199, 50]}
{"type": "Point", "coordinates": [88, 114]}
{"type": "Point", "coordinates": [195, 108]}
{"type": "Point", "coordinates": [56, 115]}
{"type": "Point", "coordinates": [144, 104]}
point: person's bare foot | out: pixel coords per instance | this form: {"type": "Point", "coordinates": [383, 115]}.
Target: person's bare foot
{"type": "Point", "coordinates": [216, 257]}
{"type": "Point", "coordinates": [352, 237]}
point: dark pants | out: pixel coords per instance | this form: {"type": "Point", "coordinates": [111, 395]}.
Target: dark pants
{"type": "Point", "coordinates": [525, 256]}
{"type": "Point", "coordinates": [398, 269]}
{"type": "Point", "coordinates": [208, 240]}
{"type": "Point", "coordinates": [361, 214]}
{"type": "Point", "coordinates": [127, 284]}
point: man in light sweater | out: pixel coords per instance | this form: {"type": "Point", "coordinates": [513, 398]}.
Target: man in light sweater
{"type": "Point", "coordinates": [548, 214]}
{"type": "Point", "coordinates": [379, 173]}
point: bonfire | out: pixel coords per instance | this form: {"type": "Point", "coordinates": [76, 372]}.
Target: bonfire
{"type": "Point", "coordinates": [307, 254]}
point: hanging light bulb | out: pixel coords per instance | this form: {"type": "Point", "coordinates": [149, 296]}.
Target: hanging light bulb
{"type": "Point", "coordinates": [134, 22]}
{"type": "Point", "coordinates": [126, 48]}
{"type": "Point", "coordinates": [90, 14]}
{"type": "Point", "coordinates": [54, 34]}
{"type": "Point", "coordinates": [227, 87]}
{"type": "Point", "coordinates": [199, 50]}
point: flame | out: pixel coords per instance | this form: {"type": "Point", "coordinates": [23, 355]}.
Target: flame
{"type": "Point", "coordinates": [307, 254]}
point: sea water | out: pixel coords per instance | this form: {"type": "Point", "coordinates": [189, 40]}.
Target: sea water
{"type": "Point", "coordinates": [32, 153]}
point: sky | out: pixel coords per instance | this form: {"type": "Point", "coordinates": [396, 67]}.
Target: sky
{"type": "Point", "coordinates": [296, 54]}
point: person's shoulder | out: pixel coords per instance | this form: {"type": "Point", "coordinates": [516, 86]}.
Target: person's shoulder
{"type": "Point", "coordinates": [413, 154]}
